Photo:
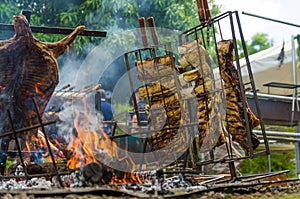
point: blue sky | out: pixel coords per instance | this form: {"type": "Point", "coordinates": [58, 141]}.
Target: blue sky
{"type": "Point", "coordinates": [283, 10]}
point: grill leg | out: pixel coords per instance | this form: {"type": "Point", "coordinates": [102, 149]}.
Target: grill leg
{"type": "Point", "coordinates": [3, 154]}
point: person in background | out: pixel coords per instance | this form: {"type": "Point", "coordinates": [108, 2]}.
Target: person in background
{"type": "Point", "coordinates": [142, 115]}
{"type": "Point", "coordinates": [135, 143]}
{"type": "Point", "coordinates": [107, 111]}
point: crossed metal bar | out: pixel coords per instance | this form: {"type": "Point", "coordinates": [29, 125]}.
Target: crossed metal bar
{"type": "Point", "coordinates": [52, 30]}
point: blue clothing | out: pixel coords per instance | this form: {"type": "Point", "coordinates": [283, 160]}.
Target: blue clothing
{"type": "Point", "coordinates": [107, 111]}
{"type": "Point", "coordinates": [143, 116]}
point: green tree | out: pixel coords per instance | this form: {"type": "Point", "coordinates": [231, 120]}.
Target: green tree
{"type": "Point", "coordinates": [110, 15]}
{"type": "Point", "coordinates": [114, 16]}
{"type": "Point", "coordinates": [258, 42]}
{"type": "Point", "coordinates": [7, 10]}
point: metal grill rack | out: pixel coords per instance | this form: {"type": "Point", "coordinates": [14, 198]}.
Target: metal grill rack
{"type": "Point", "coordinates": [228, 26]}
{"type": "Point", "coordinates": [161, 88]}
{"type": "Point", "coordinates": [208, 33]}
{"type": "Point", "coordinates": [17, 133]}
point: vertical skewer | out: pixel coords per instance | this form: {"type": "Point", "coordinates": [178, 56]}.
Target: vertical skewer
{"type": "Point", "coordinates": [143, 31]}
{"type": "Point", "coordinates": [203, 11]}
{"type": "Point", "coordinates": [207, 11]}
{"type": "Point", "coordinates": [153, 30]}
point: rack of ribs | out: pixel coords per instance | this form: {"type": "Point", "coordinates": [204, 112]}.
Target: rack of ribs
{"type": "Point", "coordinates": [235, 117]}
{"type": "Point", "coordinates": [210, 129]}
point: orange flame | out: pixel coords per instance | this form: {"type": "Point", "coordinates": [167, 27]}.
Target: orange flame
{"type": "Point", "coordinates": [129, 178]}
{"type": "Point", "coordinates": [86, 143]}
{"type": "Point", "coordinates": [83, 146]}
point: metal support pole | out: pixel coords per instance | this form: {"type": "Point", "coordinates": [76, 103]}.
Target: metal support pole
{"type": "Point", "coordinates": [274, 20]}
{"type": "Point", "coordinates": [295, 93]}
{"type": "Point", "coordinates": [297, 154]}
{"type": "Point", "coordinates": [269, 163]}
{"type": "Point", "coordinates": [295, 100]}
{"type": "Point", "coordinates": [47, 142]}
{"type": "Point", "coordinates": [17, 143]}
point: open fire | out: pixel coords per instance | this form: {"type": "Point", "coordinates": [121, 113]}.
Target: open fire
{"type": "Point", "coordinates": [80, 155]}
{"type": "Point", "coordinates": [38, 154]}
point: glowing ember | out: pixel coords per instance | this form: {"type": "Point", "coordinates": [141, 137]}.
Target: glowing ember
{"type": "Point", "coordinates": [129, 178]}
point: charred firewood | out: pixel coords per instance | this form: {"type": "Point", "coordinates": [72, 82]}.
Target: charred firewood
{"type": "Point", "coordinates": [97, 173]}
{"type": "Point", "coordinates": [234, 103]}
{"type": "Point", "coordinates": [35, 168]}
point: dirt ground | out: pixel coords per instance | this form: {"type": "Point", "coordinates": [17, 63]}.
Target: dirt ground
{"type": "Point", "coordinates": [290, 191]}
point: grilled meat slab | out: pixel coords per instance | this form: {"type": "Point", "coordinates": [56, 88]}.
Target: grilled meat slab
{"type": "Point", "coordinates": [28, 70]}
{"type": "Point", "coordinates": [235, 116]}
{"type": "Point", "coordinates": [210, 129]}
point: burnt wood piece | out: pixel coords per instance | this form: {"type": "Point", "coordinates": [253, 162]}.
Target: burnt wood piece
{"type": "Point", "coordinates": [34, 169]}
{"type": "Point", "coordinates": [97, 173]}
{"type": "Point", "coordinates": [28, 70]}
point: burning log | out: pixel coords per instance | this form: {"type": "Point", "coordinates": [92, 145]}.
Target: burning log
{"type": "Point", "coordinates": [97, 173]}
{"type": "Point", "coordinates": [210, 127]}
{"type": "Point", "coordinates": [29, 70]}
{"type": "Point", "coordinates": [234, 107]}
{"type": "Point", "coordinates": [38, 169]}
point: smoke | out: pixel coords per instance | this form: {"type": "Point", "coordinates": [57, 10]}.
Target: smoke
{"type": "Point", "coordinates": [68, 72]}
{"type": "Point", "coordinates": [106, 64]}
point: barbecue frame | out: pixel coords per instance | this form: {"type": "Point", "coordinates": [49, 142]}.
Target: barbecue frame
{"type": "Point", "coordinates": [155, 51]}
{"type": "Point", "coordinates": [211, 28]}
{"type": "Point", "coordinates": [204, 30]}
